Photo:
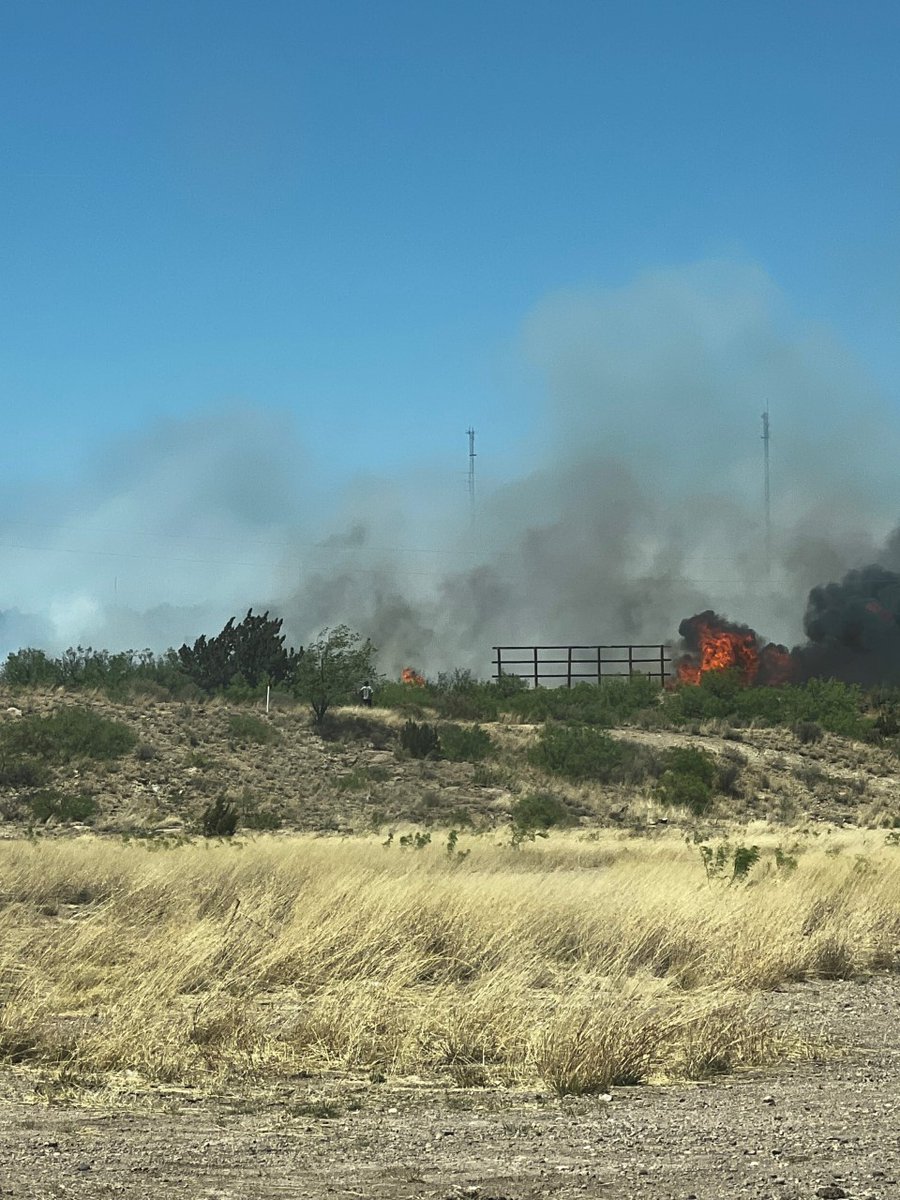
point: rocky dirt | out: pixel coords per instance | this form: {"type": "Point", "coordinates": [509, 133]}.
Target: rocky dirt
{"type": "Point", "coordinates": [356, 780]}
{"type": "Point", "coordinates": [828, 1128]}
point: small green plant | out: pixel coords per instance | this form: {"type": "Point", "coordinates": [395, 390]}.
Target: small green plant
{"type": "Point", "coordinates": [252, 816]}
{"type": "Point", "coordinates": [219, 819]}
{"type": "Point", "coordinates": [743, 859]}
{"type": "Point", "coordinates": [354, 781]}
{"type": "Point", "coordinates": [452, 848]}
{"type": "Point", "coordinates": [460, 743]}
{"type": "Point", "coordinates": [785, 861]}
{"type": "Point", "coordinates": [714, 859]}
{"type": "Point", "coordinates": [244, 727]}
{"type": "Point", "coordinates": [50, 804]}
{"type": "Point", "coordinates": [66, 735]}
{"type": "Point", "coordinates": [319, 1110]}
{"type": "Point", "coordinates": [808, 733]}
{"type": "Point", "coordinates": [420, 741]}
{"type": "Point", "coordinates": [717, 859]}
{"type": "Point", "coordinates": [415, 841]}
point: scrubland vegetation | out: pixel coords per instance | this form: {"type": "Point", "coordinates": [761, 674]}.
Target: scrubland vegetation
{"type": "Point", "coordinates": [581, 962]}
{"type": "Point", "coordinates": [572, 888]}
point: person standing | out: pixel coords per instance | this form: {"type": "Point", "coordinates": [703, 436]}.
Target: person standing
{"type": "Point", "coordinates": [365, 693]}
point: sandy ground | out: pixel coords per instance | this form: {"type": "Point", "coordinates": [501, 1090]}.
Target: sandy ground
{"type": "Point", "coordinates": [828, 1128]}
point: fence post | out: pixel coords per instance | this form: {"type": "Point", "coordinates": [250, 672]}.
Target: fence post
{"type": "Point", "coordinates": [536, 676]}
{"type": "Point", "coordinates": [630, 661]}
{"type": "Point", "coordinates": [662, 666]}
{"type": "Point", "coordinates": [498, 661]}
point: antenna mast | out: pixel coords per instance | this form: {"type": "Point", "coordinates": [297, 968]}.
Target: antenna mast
{"type": "Point", "coordinates": [471, 433]}
{"type": "Point", "coordinates": [767, 491]}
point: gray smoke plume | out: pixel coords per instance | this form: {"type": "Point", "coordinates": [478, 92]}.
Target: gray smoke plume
{"type": "Point", "coordinates": [638, 501]}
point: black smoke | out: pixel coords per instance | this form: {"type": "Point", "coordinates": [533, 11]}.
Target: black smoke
{"type": "Point", "coordinates": [853, 628]}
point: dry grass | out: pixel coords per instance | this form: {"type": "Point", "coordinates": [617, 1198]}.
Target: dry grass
{"type": "Point", "coordinates": [580, 963]}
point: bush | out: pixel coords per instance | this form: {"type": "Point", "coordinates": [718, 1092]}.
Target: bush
{"type": "Point", "coordinates": [540, 811]}
{"type": "Point", "coordinates": [242, 727]}
{"type": "Point", "coordinates": [808, 733]}
{"type": "Point", "coordinates": [68, 734]}
{"type": "Point", "coordinates": [687, 779]}
{"type": "Point", "coordinates": [728, 772]}
{"type": "Point", "coordinates": [460, 743]}
{"type": "Point", "coordinates": [609, 703]}
{"type": "Point", "coordinates": [251, 816]}
{"type": "Point", "coordinates": [84, 667]}
{"type": "Point", "coordinates": [22, 772]}
{"type": "Point", "coordinates": [576, 752]}
{"type": "Point", "coordinates": [420, 741]}
{"type": "Point", "coordinates": [332, 669]}
{"type": "Point", "coordinates": [49, 804]}
{"type": "Point", "coordinates": [219, 819]}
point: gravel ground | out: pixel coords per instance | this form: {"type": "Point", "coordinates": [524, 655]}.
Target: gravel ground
{"type": "Point", "coordinates": [822, 1129]}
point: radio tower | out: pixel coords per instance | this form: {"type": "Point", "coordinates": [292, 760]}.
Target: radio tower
{"type": "Point", "coordinates": [471, 433]}
{"type": "Point", "coordinates": [767, 492]}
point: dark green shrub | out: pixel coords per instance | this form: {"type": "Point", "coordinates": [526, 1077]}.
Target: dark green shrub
{"type": "Point", "coordinates": [685, 791]}
{"type": "Point", "coordinates": [22, 772]}
{"type": "Point", "coordinates": [420, 741]}
{"type": "Point", "coordinates": [352, 727]}
{"type": "Point", "coordinates": [51, 803]}
{"type": "Point", "coordinates": [30, 668]}
{"type": "Point", "coordinates": [83, 667]}
{"type": "Point", "coordinates": [243, 727]}
{"type": "Point", "coordinates": [540, 810]}
{"type": "Point", "coordinates": [576, 752]}
{"type": "Point", "coordinates": [252, 651]}
{"type": "Point", "coordinates": [460, 743]}
{"type": "Point", "coordinates": [744, 859]}
{"type": "Point", "coordinates": [612, 702]}
{"type": "Point", "coordinates": [687, 780]}
{"type": "Point", "coordinates": [219, 819]}
{"type": "Point", "coordinates": [67, 734]}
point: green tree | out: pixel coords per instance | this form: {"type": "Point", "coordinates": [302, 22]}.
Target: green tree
{"type": "Point", "coordinates": [252, 650]}
{"type": "Point", "coordinates": [333, 668]}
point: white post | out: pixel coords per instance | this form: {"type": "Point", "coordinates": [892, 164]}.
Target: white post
{"type": "Point", "coordinates": [268, 691]}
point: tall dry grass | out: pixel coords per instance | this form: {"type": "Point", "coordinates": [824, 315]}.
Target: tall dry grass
{"type": "Point", "coordinates": [578, 963]}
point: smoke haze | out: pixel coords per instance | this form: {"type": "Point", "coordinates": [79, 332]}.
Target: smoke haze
{"type": "Point", "coordinates": [639, 503]}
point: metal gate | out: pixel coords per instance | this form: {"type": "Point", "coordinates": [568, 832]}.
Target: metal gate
{"type": "Point", "coordinates": [565, 664]}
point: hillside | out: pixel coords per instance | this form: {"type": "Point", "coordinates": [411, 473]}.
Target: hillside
{"type": "Point", "coordinates": [279, 772]}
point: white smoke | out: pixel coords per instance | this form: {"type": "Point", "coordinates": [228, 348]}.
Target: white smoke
{"type": "Point", "coordinates": [641, 503]}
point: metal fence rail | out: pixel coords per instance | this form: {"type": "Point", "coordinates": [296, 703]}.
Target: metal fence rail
{"type": "Point", "coordinates": [595, 663]}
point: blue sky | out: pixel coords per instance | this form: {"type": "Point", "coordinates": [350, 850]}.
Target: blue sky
{"type": "Point", "coordinates": [347, 214]}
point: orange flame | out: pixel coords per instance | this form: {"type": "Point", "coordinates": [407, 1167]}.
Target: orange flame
{"type": "Point", "coordinates": [721, 649]}
{"type": "Point", "coordinates": [413, 678]}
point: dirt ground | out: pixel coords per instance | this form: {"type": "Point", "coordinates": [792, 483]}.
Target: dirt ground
{"type": "Point", "coordinates": [827, 1128]}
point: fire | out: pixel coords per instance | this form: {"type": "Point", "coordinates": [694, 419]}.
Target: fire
{"type": "Point", "coordinates": [413, 678]}
{"type": "Point", "coordinates": [714, 644]}
{"type": "Point", "coordinates": [720, 650]}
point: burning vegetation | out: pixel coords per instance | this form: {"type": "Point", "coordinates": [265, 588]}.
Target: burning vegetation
{"type": "Point", "coordinates": [852, 628]}
{"type": "Point", "coordinates": [712, 643]}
